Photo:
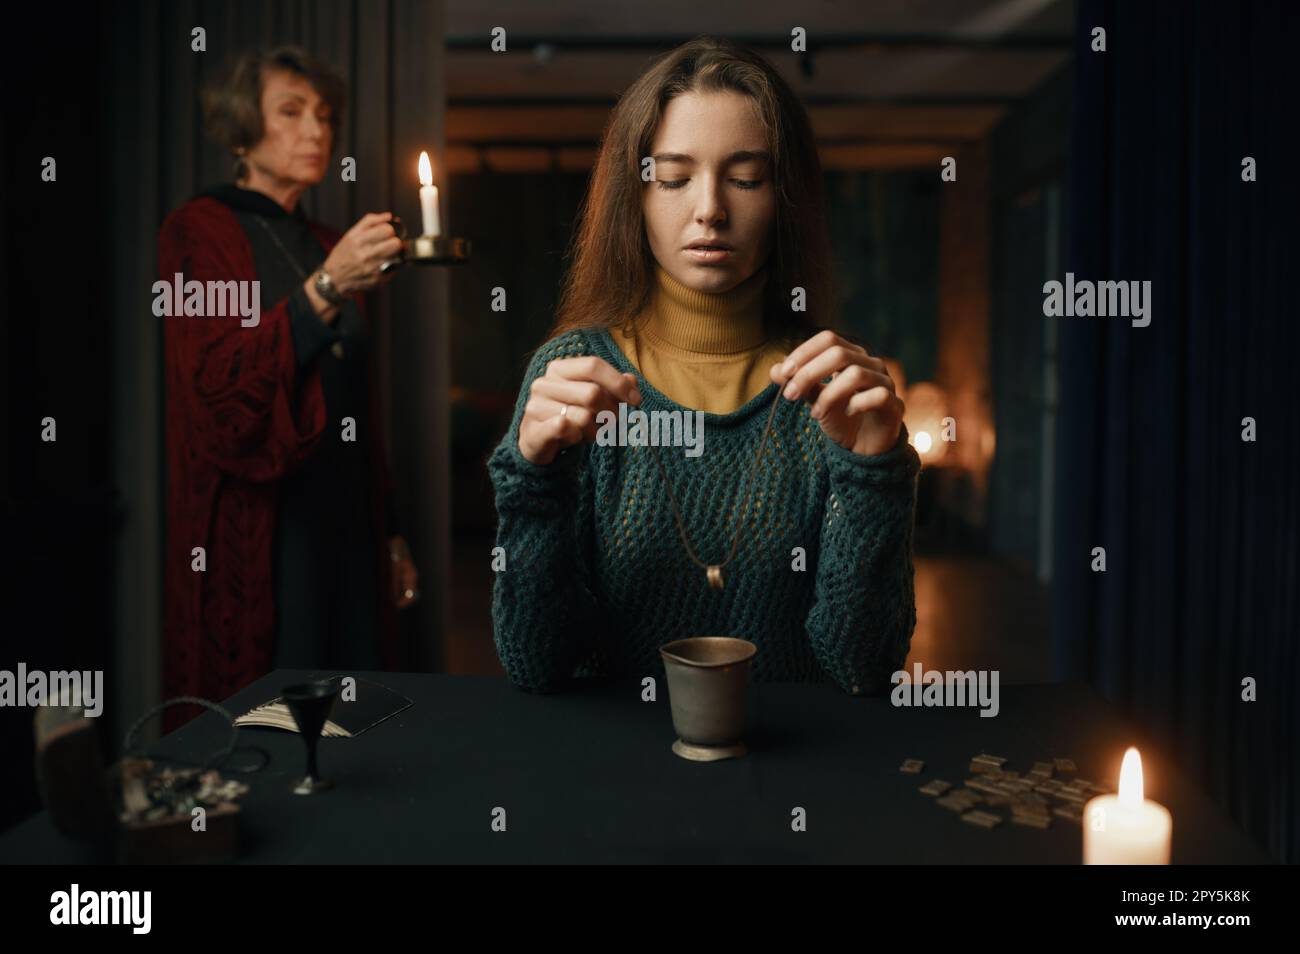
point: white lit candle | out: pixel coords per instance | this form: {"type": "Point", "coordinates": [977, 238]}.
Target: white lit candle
{"type": "Point", "coordinates": [429, 199]}
{"type": "Point", "coordinates": [1126, 829]}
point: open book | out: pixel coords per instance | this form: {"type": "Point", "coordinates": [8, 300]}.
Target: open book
{"type": "Point", "coordinates": [355, 710]}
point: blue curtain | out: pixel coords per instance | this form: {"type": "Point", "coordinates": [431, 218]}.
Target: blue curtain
{"type": "Point", "coordinates": [1199, 527]}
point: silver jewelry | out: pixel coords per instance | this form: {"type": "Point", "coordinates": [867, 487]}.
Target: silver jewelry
{"type": "Point", "coordinates": [326, 288]}
{"type": "Point", "coordinates": [564, 410]}
{"type": "Point", "coordinates": [324, 284]}
{"type": "Point", "coordinates": [410, 594]}
{"type": "Point", "coordinates": [713, 571]}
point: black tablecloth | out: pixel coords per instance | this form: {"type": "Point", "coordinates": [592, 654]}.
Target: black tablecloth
{"type": "Point", "coordinates": [589, 776]}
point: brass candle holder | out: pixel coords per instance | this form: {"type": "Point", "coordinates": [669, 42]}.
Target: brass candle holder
{"type": "Point", "coordinates": [427, 250]}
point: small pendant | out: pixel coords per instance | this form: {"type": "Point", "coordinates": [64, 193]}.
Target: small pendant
{"type": "Point", "coordinates": [715, 577]}
{"type": "Point", "coordinates": [337, 349]}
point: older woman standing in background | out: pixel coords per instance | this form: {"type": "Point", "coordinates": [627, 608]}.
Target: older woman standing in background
{"type": "Point", "coordinates": [276, 463]}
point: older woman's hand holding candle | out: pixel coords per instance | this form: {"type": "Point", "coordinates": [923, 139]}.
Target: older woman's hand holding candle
{"type": "Point", "coordinates": [354, 263]}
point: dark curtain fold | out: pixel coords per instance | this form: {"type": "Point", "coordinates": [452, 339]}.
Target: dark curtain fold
{"type": "Point", "coordinates": [1200, 528]}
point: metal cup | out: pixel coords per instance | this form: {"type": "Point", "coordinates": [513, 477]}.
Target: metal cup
{"type": "Point", "coordinates": [708, 678]}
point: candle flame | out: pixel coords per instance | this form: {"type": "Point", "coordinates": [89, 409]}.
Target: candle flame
{"type": "Point", "coordinates": [426, 170]}
{"type": "Point", "coordinates": [1130, 780]}
{"type": "Point", "coordinates": [922, 441]}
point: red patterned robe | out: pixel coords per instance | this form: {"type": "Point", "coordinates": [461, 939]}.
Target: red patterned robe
{"type": "Point", "coordinates": [234, 429]}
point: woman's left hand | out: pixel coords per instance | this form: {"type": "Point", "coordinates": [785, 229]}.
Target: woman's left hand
{"type": "Point", "coordinates": [858, 409]}
{"type": "Point", "coordinates": [406, 578]}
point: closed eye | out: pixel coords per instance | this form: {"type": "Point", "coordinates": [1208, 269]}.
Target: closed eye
{"type": "Point", "coordinates": [740, 183]}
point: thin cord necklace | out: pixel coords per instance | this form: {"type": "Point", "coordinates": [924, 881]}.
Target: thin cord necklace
{"type": "Point", "coordinates": [276, 239]}
{"type": "Point", "coordinates": [713, 571]}
{"type": "Point", "coordinates": [337, 347]}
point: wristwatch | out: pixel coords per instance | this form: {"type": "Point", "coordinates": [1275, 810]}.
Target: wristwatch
{"type": "Point", "coordinates": [326, 289]}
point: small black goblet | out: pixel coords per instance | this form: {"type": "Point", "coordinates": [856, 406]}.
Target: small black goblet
{"type": "Point", "coordinates": [310, 703]}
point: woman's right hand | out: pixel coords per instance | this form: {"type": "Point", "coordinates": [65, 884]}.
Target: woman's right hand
{"type": "Point", "coordinates": [354, 262]}
{"type": "Point", "coordinates": [588, 385]}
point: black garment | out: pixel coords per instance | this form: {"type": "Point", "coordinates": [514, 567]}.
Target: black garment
{"type": "Point", "coordinates": [326, 582]}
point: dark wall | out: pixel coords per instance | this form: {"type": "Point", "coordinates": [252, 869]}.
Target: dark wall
{"type": "Point", "coordinates": [1201, 528]}
{"type": "Point", "coordinates": [885, 239]}
{"type": "Point", "coordinates": [60, 510]}
{"type": "Point", "coordinates": [1029, 150]}
{"type": "Point", "coordinates": [520, 225]}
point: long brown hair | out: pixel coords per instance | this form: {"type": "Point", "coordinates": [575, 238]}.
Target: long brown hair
{"type": "Point", "coordinates": [612, 267]}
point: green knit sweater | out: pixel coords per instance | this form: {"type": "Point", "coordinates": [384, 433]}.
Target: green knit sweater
{"type": "Point", "coordinates": [596, 578]}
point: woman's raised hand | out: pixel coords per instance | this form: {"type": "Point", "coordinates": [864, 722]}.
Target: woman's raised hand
{"type": "Point", "coordinates": [858, 408]}
{"type": "Point", "coordinates": [586, 386]}
{"type": "Point", "coordinates": [354, 262]}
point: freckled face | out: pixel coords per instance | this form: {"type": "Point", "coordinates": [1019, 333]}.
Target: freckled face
{"type": "Point", "coordinates": [713, 184]}
{"type": "Point", "coordinates": [297, 137]}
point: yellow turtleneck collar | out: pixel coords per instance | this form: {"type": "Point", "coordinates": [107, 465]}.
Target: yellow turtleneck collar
{"type": "Point", "coordinates": [703, 322]}
{"type": "Point", "coordinates": [704, 351]}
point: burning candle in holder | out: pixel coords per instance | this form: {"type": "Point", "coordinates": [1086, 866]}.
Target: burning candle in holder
{"type": "Point", "coordinates": [430, 247]}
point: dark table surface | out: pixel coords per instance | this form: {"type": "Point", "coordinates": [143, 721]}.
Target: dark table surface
{"type": "Point", "coordinates": [588, 776]}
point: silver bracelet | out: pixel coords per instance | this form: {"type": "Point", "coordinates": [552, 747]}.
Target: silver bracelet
{"type": "Point", "coordinates": [326, 288]}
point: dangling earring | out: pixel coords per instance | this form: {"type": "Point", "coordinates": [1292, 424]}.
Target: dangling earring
{"type": "Point", "coordinates": [240, 168]}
